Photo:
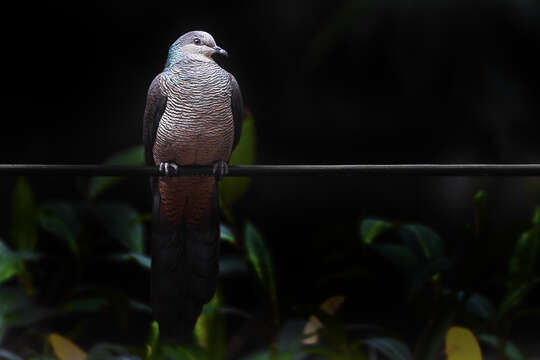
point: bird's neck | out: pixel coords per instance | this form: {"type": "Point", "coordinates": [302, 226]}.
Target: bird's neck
{"type": "Point", "coordinates": [178, 56]}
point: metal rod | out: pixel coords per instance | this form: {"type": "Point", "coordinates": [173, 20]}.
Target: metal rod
{"type": "Point", "coordinates": [280, 170]}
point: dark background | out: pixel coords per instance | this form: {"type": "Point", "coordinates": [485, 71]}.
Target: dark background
{"type": "Point", "coordinates": [327, 82]}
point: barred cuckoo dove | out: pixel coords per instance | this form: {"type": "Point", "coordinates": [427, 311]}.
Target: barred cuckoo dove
{"type": "Point", "coordinates": [193, 117]}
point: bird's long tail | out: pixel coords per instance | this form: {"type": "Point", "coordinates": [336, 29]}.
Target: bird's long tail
{"type": "Point", "coordinates": [184, 268]}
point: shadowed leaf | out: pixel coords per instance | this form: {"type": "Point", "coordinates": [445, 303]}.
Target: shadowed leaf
{"type": "Point", "coordinates": [11, 302]}
{"type": "Point", "coordinates": [23, 216]}
{"type": "Point", "coordinates": [139, 306]}
{"type": "Point", "coordinates": [131, 156]}
{"type": "Point", "coordinates": [109, 351]}
{"type": "Point", "coordinates": [510, 350]}
{"type": "Point", "coordinates": [7, 355]}
{"type": "Point", "coordinates": [210, 330]}
{"type": "Point", "coordinates": [231, 189]}
{"type": "Point", "coordinates": [370, 229]}
{"type": "Point", "coordinates": [480, 306]}
{"type": "Point", "coordinates": [230, 265]}
{"type": "Point", "coordinates": [391, 348]}
{"type": "Point", "coordinates": [177, 352]}
{"type": "Point", "coordinates": [427, 272]}
{"type": "Point", "coordinates": [226, 234]}
{"type": "Point", "coordinates": [11, 261]}
{"type": "Point", "coordinates": [400, 256]}
{"type": "Point", "coordinates": [514, 298]}
{"type": "Point", "coordinates": [143, 260]}
{"type": "Point", "coordinates": [120, 222]}
{"type": "Point", "coordinates": [433, 337]}
{"type": "Point", "coordinates": [83, 305]}
{"type": "Point", "coordinates": [524, 261]}
{"type": "Point", "coordinates": [61, 220]}
{"type": "Point", "coordinates": [429, 241]}
{"type": "Point", "coordinates": [259, 257]}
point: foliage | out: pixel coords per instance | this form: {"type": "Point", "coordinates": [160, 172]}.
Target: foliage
{"type": "Point", "coordinates": [49, 312]}
{"type": "Point", "coordinates": [232, 189]}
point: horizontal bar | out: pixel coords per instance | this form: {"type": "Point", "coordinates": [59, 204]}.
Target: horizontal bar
{"type": "Point", "coordinates": [273, 170]}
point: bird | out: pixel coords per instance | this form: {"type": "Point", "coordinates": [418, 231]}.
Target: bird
{"type": "Point", "coordinates": [193, 116]}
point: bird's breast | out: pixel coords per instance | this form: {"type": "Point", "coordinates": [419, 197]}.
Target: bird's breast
{"type": "Point", "coordinates": [197, 125]}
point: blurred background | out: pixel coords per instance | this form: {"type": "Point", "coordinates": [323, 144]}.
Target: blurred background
{"type": "Point", "coordinates": [358, 81]}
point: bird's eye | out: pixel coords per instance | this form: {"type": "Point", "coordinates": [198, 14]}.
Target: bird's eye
{"type": "Point", "coordinates": [197, 41]}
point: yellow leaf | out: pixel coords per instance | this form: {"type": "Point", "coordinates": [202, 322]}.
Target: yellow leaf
{"type": "Point", "coordinates": [313, 324]}
{"type": "Point", "coordinates": [329, 306]}
{"type": "Point", "coordinates": [461, 344]}
{"type": "Point", "coordinates": [332, 305]}
{"type": "Point", "coordinates": [65, 349]}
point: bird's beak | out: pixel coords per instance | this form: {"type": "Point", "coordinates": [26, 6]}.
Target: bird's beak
{"type": "Point", "coordinates": [220, 51]}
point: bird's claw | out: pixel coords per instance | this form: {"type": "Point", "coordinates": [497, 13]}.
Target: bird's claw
{"type": "Point", "coordinates": [168, 169]}
{"type": "Point", "coordinates": [220, 169]}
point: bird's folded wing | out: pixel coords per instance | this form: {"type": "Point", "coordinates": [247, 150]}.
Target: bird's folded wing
{"type": "Point", "coordinates": [237, 105]}
{"type": "Point", "coordinates": [155, 106]}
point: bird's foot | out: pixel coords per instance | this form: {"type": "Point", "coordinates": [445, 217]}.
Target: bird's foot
{"type": "Point", "coordinates": [220, 169]}
{"type": "Point", "coordinates": [168, 169]}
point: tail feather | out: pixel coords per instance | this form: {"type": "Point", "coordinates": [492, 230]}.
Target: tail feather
{"type": "Point", "coordinates": [184, 271]}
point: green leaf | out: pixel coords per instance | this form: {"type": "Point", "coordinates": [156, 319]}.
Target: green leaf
{"type": "Point", "coordinates": [515, 297]}
{"type": "Point", "coordinates": [430, 243]}
{"type": "Point", "coordinates": [427, 272]}
{"type": "Point", "coordinates": [355, 273]}
{"type": "Point", "coordinates": [139, 306]}
{"type": "Point", "coordinates": [231, 265]}
{"type": "Point", "coordinates": [510, 350]}
{"type": "Point", "coordinates": [131, 156]}
{"type": "Point", "coordinates": [120, 222]}
{"type": "Point", "coordinates": [110, 351]}
{"type": "Point", "coordinates": [7, 355]}
{"type": "Point", "coordinates": [210, 330]}
{"type": "Point", "coordinates": [17, 310]}
{"type": "Point", "coordinates": [290, 336]}
{"type": "Point", "coordinates": [23, 216]}
{"type": "Point", "coordinates": [400, 256]}
{"type": "Point", "coordinates": [389, 347]}
{"type": "Point", "coordinates": [371, 228]}
{"type": "Point", "coordinates": [177, 352]}
{"type": "Point", "coordinates": [61, 220]}
{"type": "Point", "coordinates": [525, 258]}
{"type": "Point", "coordinates": [83, 305]}
{"type": "Point", "coordinates": [9, 264]}
{"type": "Point", "coordinates": [287, 355]}
{"type": "Point", "coordinates": [11, 261]}
{"type": "Point", "coordinates": [226, 234]}
{"type": "Point", "coordinates": [152, 343]}
{"type": "Point", "coordinates": [434, 335]}
{"type": "Point", "coordinates": [232, 189]}
{"type": "Point", "coordinates": [259, 257]}
{"type": "Point", "coordinates": [13, 299]}
{"type": "Point", "coordinates": [480, 306]}
{"type": "Point", "coordinates": [480, 199]}
{"type": "Point", "coordinates": [143, 260]}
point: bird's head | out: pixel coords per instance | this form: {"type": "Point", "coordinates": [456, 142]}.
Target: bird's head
{"type": "Point", "coordinates": [198, 45]}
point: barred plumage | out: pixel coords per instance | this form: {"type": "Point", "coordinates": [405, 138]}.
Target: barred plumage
{"type": "Point", "coordinates": [192, 117]}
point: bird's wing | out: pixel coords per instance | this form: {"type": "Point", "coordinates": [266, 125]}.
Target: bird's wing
{"type": "Point", "coordinates": [237, 105]}
{"type": "Point", "coordinates": [155, 106]}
